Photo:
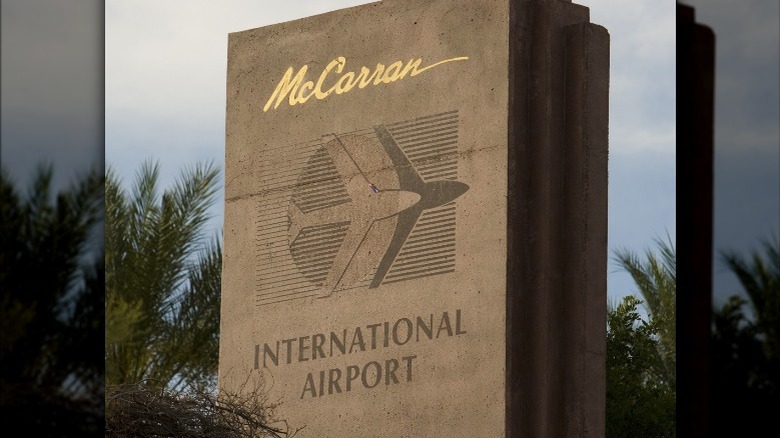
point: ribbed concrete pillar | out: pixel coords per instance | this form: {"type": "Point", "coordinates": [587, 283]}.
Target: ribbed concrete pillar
{"type": "Point", "coordinates": [557, 225]}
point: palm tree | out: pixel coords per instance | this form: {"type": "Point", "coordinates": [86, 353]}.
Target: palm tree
{"type": "Point", "coordinates": [656, 279]}
{"type": "Point", "coordinates": [760, 277]}
{"type": "Point", "coordinates": [51, 280]}
{"type": "Point", "coordinates": [745, 349]}
{"type": "Point", "coordinates": [162, 280]}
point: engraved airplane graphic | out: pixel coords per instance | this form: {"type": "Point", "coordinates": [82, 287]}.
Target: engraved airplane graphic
{"type": "Point", "coordinates": [382, 211]}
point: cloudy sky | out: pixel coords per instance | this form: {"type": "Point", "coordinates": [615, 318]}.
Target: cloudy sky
{"type": "Point", "coordinates": [165, 65]}
{"type": "Point", "coordinates": [52, 87]}
{"type": "Point", "coordinates": [747, 127]}
{"type": "Point", "coordinates": [165, 97]}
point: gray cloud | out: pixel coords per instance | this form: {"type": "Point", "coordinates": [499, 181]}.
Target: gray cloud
{"type": "Point", "coordinates": [52, 104]}
{"type": "Point", "coordinates": [50, 55]}
{"type": "Point", "coordinates": [165, 96]}
{"type": "Point", "coordinates": [747, 135]}
{"type": "Point", "coordinates": [642, 82]}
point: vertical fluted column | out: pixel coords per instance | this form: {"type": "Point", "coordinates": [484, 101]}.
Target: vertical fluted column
{"type": "Point", "coordinates": [558, 115]}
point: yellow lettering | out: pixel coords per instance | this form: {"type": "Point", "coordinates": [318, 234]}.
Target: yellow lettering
{"type": "Point", "coordinates": [297, 91]}
{"type": "Point", "coordinates": [378, 74]}
{"type": "Point", "coordinates": [345, 83]}
{"type": "Point", "coordinates": [416, 71]}
{"type": "Point", "coordinates": [363, 78]}
{"type": "Point", "coordinates": [337, 63]}
{"type": "Point", "coordinates": [411, 65]}
{"type": "Point", "coordinates": [286, 86]}
{"type": "Point", "coordinates": [307, 86]}
{"type": "Point", "coordinates": [392, 77]}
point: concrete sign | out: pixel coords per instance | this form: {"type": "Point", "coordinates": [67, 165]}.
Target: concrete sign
{"type": "Point", "coordinates": [367, 205]}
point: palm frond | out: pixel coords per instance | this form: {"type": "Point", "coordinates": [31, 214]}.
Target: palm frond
{"type": "Point", "coordinates": [655, 277]}
{"type": "Point", "coordinates": [162, 269]}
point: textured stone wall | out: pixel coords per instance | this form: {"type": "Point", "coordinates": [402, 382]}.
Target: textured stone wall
{"type": "Point", "coordinates": [415, 219]}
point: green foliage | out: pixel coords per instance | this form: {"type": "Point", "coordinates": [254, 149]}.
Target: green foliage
{"type": "Point", "coordinates": [640, 397]}
{"type": "Point", "coordinates": [162, 280]}
{"type": "Point", "coordinates": [641, 355]}
{"type": "Point", "coordinates": [745, 354]}
{"type": "Point", "coordinates": [52, 285]}
{"type": "Point", "coordinates": [656, 279]}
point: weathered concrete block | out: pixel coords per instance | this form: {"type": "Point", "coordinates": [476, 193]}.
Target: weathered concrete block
{"type": "Point", "coordinates": [415, 219]}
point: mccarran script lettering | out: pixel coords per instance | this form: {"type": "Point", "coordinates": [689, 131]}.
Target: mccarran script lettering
{"type": "Point", "coordinates": [296, 89]}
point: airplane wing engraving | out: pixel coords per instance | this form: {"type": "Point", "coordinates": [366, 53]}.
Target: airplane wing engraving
{"type": "Point", "coordinates": [432, 194]}
{"type": "Point", "coordinates": [355, 181]}
{"type": "Point", "coordinates": [408, 179]}
{"type": "Point", "coordinates": [354, 158]}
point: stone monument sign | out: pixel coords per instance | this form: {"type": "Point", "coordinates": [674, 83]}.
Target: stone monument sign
{"type": "Point", "coordinates": [415, 219]}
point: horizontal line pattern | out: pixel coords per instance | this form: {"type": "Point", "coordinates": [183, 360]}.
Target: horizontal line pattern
{"type": "Point", "coordinates": [319, 185]}
{"type": "Point", "coordinates": [304, 174]}
{"type": "Point", "coordinates": [315, 248]}
{"type": "Point", "coordinates": [430, 247]}
{"type": "Point", "coordinates": [430, 143]}
{"type": "Point", "coordinates": [277, 278]}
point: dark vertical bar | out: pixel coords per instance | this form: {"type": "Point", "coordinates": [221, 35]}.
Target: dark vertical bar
{"type": "Point", "coordinates": [585, 229]}
{"type": "Point", "coordinates": [519, 257]}
{"type": "Point", "coordinates": [695, 82]}
{"type": "Point", "coordinates": [550, 377]}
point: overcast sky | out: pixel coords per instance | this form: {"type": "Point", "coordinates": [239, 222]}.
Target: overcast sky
{"type": "Point", "coordinates": [747, 127]}
{"type": "Point", "coordinates": [165, 97]}
{"type": "Point", "coordinates": [52, 87]}
{"type": "Point", "coordinates": [165, 65]}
